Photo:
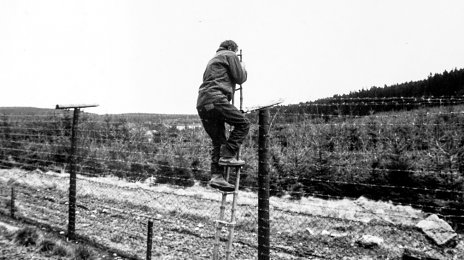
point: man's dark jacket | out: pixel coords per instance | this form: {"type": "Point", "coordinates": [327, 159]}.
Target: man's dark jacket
{"type": "Point", "coordinates": [222, 74]}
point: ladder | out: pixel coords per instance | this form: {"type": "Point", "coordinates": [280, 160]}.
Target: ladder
{"type": "Point", "coordinates": [222, 222]}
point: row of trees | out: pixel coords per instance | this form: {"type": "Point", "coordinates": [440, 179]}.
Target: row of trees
{"type": "Point", "coordinates": [437, 90]}
{"type": "Point", "coordinates": [445, 84]}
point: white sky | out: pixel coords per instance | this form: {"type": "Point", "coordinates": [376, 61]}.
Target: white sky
{"type": "Point", "coordinates": [149, 56]}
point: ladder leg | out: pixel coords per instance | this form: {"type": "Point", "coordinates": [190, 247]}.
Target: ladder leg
{"type": "Point", "coordinates": [232, 216]}
{"type": "Point", "coordinates": [221, 218]}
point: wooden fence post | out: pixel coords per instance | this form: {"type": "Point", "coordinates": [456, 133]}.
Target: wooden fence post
{"type": "Point", "coordinates": [12, 203]}
{"type": "Point", "coordinates": [263, 185]}
{"type": "Point", "coordinates": [149, 239]}
{"type": "Point", "coordinates": [73, 168]}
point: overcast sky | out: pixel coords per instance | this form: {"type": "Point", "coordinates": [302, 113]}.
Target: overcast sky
{"type": "Point", "coordinates": [149, 56]}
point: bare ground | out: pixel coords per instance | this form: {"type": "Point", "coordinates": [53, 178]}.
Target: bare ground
{"type": "Point", "coordinates": [115, 217]}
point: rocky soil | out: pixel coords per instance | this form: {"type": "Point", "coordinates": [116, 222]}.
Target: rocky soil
{"type": "Point", "coordinates": [108, 217]}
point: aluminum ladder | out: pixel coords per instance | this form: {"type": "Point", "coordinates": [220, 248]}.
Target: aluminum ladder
{"type": "Point", "coordinates": [222, 222]}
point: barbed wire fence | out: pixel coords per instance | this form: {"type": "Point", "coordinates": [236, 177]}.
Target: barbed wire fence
{"type": "Point", "coordinates": [337, 170]}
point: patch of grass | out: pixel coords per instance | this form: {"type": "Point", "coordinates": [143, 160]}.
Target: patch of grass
{"type": "Point", "coordinates": [174, 212]}
{"type": "Point", "coordinates": [51, 186]}
{"type": "Point", "coordinates": [198, 196]}
{"type": "Point", "coordinates": [82, 252]}
{"type": "Point", "coordinates": [194, 217]}
{"type": "Point", "coordinates": [4, 232]}
{"type": "Point", "coordinates": [12, 181]}
{"type": "Point", "coordinates": [249, 225]}
{"type": "Point", "coordinates": [30, 236]}
{"type": "Point", "coordinates": [146, 208]}
{"type": "Point", "coordinates": [47, 245]}
{"type": "Point", "coordinates": [61, 250]}
{"type": "Point", "coordinates": [117, 238]}
{"type": "Point", "coordinates": [27, 236]}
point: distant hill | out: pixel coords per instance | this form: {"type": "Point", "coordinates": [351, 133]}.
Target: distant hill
{"type": "Point", "coordinates": [445, 84]}
{"type": "Point", "coordinates": [38, 111]}
{"type": "Point", "coordinates": [26, 110]}
{"type": "Point", "coordinates": [437, 90]}
{"type": "Point", "coordinates": [169, 119]}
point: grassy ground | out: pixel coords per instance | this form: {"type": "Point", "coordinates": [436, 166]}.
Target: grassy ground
{"type": "Point", "coordinates": [19, 240]}
{"type": "Point", "coordinates": [114, 213]}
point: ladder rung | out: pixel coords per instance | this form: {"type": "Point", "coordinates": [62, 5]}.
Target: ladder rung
{"type": "Point", "coordinates": [225, 223]}
{"type": "Point", "coordinates": [229, 192]}
{"type": "Point", "coordinates": [230, 165]}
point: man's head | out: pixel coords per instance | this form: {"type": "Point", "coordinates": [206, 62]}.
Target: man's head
{"type": "Point", "coordinates": [229, 45]}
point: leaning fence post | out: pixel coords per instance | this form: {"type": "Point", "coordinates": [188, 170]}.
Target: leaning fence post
{"type": "Point", "coordinates": [149, 239]}
{"type": "Point", "coordinates": [12, 203]}
{"type": "Point", "coordinates": [263, 185]}
{"type": "Point", "coordinates": [72, 170]}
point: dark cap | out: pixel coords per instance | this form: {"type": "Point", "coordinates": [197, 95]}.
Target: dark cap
{"type": "Point", "coordinates": [229, 45]}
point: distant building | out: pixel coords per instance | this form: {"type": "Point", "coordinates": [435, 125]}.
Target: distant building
{"type": "Point", "coordinates": [151, 135]}
{"type": "Point", "coordinates": [190, 126]}
{"type": "Point", "coordinates": [181, 127]}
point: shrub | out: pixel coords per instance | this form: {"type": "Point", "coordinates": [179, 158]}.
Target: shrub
{"type": "Point", "coordinates": [61, 250]}
{"type": "Point", "coordinates": [176, 175]}
{"type": "Point", "coordinates": [27, 236]}
{"type": "Point", "coordinates": [183, 177]}
{"type": "Point", "coordinates": [47, 245]}
{"type": "Point", "coordinates": [116, 238]}
{"type": "Point", "coordinates": [199, 174]}
{"type": "Point", "coordinates": [141, 171]}
{"type": "Point", "coordinates": [82, 252]}
{"type": "Point", "coordinates": [118, 168]}
{"type": "Point", "coordinates": [296, 191]}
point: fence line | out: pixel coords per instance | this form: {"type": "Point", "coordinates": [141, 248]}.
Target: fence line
{"type": "Point", "coordinates": [425, 190]}
{"type": "Point", "coordinates": [147, 217]}
{"type": "Point", "coordinates": [138, 188]}
{"type": "Point", "coordinates": [310, 179]}
{"type": "Point", "coordinates": [328, 173]}
{"type": "Point", "coordinates": [387, 102]}
{"type": "Point", "coordinates": [315, 194]}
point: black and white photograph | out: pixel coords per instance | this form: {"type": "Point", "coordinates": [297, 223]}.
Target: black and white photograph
{"type": "Point", "coordinates": [260, 129]}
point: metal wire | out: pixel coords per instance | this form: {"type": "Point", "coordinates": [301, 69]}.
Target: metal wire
{"type": "Point", "coordinates": [25, 145]}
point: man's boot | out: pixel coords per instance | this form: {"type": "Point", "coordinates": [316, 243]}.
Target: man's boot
{"type": "Point", "coordinates": [228, 157]}
{"type": "Point", "coordinates": [231, 161]}
{"type": "Point", "coordinates": [218, 182]}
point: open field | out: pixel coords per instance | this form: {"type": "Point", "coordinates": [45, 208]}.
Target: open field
{"type": "Point", "coordinates": [114, 213]}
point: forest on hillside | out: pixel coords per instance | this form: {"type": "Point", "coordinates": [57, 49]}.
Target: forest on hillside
{"type": "Point", "coordinates": [445, 84]}
{"type": "Point", "coordinates": [442, 89]}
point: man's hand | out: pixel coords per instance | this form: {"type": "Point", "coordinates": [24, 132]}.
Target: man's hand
{"type": "Point", "coordinates": [243, 66]}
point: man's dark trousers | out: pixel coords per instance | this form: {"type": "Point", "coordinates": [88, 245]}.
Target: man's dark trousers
{"type": "Point", "coordinates": [213, 116]}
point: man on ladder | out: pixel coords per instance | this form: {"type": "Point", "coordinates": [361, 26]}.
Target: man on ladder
{"type": "Point", "coordinates": [223, 72]}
